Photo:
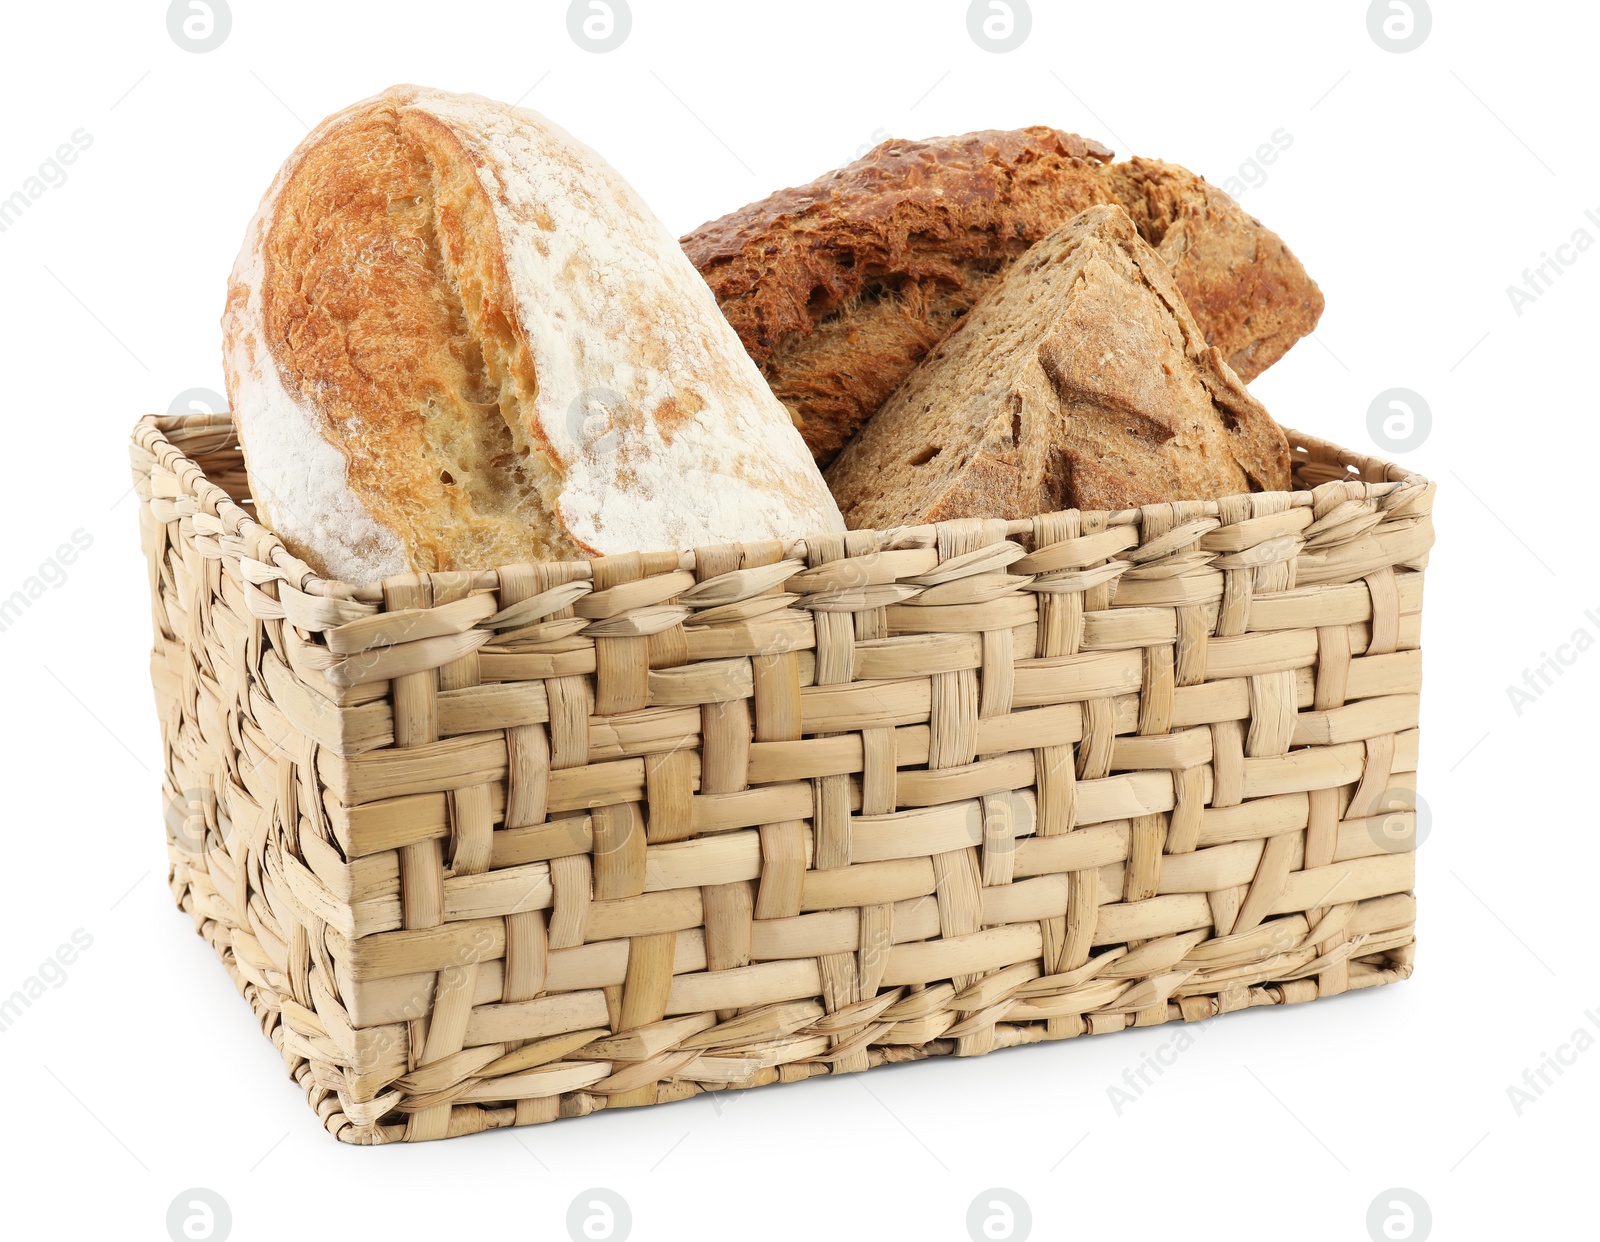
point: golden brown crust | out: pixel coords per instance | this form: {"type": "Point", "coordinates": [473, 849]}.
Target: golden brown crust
{"type": "Point", "coordinates": [839, 288]}
{"type": "Point", "coordinates": [1080, 380]}
{"type": "Point", "coordinates": [456, 338]}
{"type": "Point", "coordinates": [369, 327]}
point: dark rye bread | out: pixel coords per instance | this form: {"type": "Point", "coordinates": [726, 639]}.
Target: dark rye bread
{"type": "Point", "coordinates": [839, 288]}
{"type": "Point", "coordinates": [1079, 381]}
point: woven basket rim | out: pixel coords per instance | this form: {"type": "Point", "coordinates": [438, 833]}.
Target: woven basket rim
{"type": "Point", "coordinates": [277, 563]}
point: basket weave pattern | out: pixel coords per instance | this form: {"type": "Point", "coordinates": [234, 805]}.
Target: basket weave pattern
{"type": "Point", "coordinates": [488, 849]}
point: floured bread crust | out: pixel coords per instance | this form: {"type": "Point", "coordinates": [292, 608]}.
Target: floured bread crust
{"type": "Point", "coordinates": [1080, 380]}
{"type": "Point", "coordinates": [455, 338]}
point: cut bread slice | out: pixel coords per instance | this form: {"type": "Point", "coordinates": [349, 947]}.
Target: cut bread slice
{"type": "Point", "coordinates": [1080, 381]}
{"type": "Point", "coordinates": [839, 288]}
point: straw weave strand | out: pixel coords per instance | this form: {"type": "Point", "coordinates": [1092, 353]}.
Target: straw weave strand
{"type": "Point", "coordinates": [493, 848]}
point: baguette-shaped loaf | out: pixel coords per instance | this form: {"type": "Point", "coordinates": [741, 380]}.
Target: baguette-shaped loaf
{"type": "Point", "coordinates": [455, 338]}
{"type": "Point", "coordinates": [839, 288]}
{"type": "Point", "coordinates": [1080, 380]}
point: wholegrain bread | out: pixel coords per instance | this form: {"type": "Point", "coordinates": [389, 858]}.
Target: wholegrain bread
{"type": "Point", "coordinates": [455, 338]}
{"type": "Point", "coordinates": [1248, 292]}
{"type": "Point", "coordinates": [1079, 380]}
{"type": "Point", "coordinates": [839, 288]}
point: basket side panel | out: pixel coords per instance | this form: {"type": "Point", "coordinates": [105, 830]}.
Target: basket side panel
{"type": "Point", "coordinates": [494, 851]}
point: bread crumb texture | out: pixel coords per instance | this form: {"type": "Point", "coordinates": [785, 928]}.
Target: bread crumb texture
{"type": "Point", "coordinates": [840, 288]}
{"type": "Point", "coordinates": [1080, 380]}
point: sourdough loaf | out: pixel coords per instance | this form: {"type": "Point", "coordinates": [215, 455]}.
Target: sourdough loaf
{"type": "Point", "coordinates": [1079, 380]}
{"type": "Point", "coordinates": [455, 338]}
{"type": "Point", "coordinates": [839, 288]}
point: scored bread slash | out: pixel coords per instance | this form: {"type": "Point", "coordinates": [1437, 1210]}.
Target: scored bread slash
{"type": "Point", "coordinates": [455, 336]}
{"type": "Point", "coordinates": [1080, 381]}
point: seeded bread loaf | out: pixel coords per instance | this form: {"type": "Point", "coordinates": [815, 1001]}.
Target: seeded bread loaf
{"type": "Point", "coordinates": [1079, 380]}
{"type": "Point", "coordinates": [455, 339]}
{"type": "Point", "coordinates": [839, 288]}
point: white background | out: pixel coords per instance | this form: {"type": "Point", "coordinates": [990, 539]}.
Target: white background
{"type": "Point", "coordinates": [1417, 188]}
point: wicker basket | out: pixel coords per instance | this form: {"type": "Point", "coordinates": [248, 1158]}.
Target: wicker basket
{"type": "Point", "coordinates": [488, 849]}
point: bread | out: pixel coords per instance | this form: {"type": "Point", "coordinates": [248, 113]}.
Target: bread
{"type": "Point", "coordinates": [455, 338]}
{"type": "Point", "coordinates": [839, 288]}
{"type": "Point", "coordinates": [1079, 380]}
{"type": "Point", "coordinates": [1250, 295]}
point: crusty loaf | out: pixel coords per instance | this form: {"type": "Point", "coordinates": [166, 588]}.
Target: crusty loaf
{"type": "Point", "coordinates": [455, 338]}
{"type": "Point", "coordinates": [1080, 380]}
{"type": "Point", "coordinates": [839, 288]}
{"type": "Point", "coordinates": [1249, 294]}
